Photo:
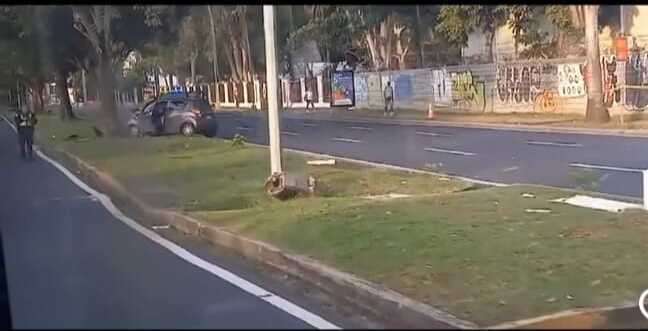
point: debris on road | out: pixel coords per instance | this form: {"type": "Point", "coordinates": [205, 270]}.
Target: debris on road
{"type": "Point", "coordinates": [597, 203]}
{"type": "Point", "coordinates": [321, 162]}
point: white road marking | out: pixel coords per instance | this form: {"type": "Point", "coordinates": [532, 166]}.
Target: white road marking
{"type": "Point", "coordinates": [602, 167]}
{"type": "Point", "coordinates": [160, 227]}
{"type": "Point", "coordinates": [510, 169]}
{"type": "Point", "coordinates": [346, 140]}
{"type": "Point", "coordinates": [289, 133]}
{"type": "Point", "coordinates": [363, 128]}
{"type": "Point", "coordinates": [287, 306]}
{"type": "Point", "coordinates": [309, 125]}
{"type": "Point", "coordinates": [432, 134]}
{"type": "Point", "coordinates": [550, 143]}
{"type": "Point", "coordinates": [449, 151]}
{"type": "Point", "coordinates": [242, 128]}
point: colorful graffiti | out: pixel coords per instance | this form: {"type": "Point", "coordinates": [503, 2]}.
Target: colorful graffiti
{"type": "Point", "coordinates": [518, 84]}
{"type": "Point", "coordinates": [546, 102]}
{"type": "Point", "coordinates": [636, 78]}
{"type": "Point", "coordinates": [611, 90]}
{"type": "Point", "coordinates": [467, 92]}
{"type": "Point", "coordinates": [441, 86]}
{"type": "Point", "coordinates": [361, 89]}
{"type": "Point", "coordinates": [570, 80]}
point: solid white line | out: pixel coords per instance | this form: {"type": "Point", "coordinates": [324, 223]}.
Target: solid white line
{"type": "Point", "coordinates": [289, 133]}
{"type": "Point", "coordinates": [449, 151]}
{"type": "Point", "coordinates": [346, 140]}
{"type": "Point", "coordinates": [242, 128]}
{"type": "Point", "coordinates": [602, 167]}
{"type": "Point", "coordinates": [309, 125]}
{"type": "Point", "coordinates": [290, 308]}
{"type": "Point", "coordinates": [363, 128]}
{"type": "Point", "coordinates": [549, 143]}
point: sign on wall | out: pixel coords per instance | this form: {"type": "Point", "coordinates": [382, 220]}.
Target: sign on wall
{"type": "Point", "coordinates": [570, 80]}
{"type": "Point", "coordinates": [342, 90]}
{"type": "Point", "coordinates": [403, 87]}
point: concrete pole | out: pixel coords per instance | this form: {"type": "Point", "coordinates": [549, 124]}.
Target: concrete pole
{"type": "Point", "coordinates": [273, 89]}
{"type": "Point", "coordinates": [83, 86]}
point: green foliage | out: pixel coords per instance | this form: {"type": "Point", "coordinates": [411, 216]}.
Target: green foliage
{"type": "Point", "coordinates": [239, 140]}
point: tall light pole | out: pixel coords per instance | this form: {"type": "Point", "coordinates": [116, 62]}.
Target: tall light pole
{"type": "Point", "coordinates": [272, 79]}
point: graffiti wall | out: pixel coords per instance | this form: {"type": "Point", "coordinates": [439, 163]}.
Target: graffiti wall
{"type": "Point", "coordinates": [361, 90]}
{"type": "Point", "coordinates": [536, 86]}
{"type": "Point", "coordinates": [467, 92]}
{"type": "Point", "coordinates": [441, 87]}
{"type": "Point", "coordinates": [636, 80]}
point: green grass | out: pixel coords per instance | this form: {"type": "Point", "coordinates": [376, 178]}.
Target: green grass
{"type": "Point", "coordinates": [476, 254]}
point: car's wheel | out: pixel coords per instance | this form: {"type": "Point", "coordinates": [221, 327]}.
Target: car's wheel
{"type": "Point", "coordinates": [134, 131]}
{"type": "Point", "coordinates": [211, 130]}
{"type": "Point", "coordinates": [187, 129]}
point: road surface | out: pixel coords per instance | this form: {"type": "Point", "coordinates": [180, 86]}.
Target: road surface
{"type": "Point", "coordinates": [606, 164]}
{"type": "Point", "coordinates": [72, 264]}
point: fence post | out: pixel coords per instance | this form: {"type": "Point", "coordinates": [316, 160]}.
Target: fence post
{"type": "Point", "coordinates": [226, 92]}
{"type": "Point", "coordinates": [320, 89]}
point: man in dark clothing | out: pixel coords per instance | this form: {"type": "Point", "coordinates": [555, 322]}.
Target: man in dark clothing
{"type": "Point", "coordinates": [25, 124]}
{"type": "Point", "coordinates": [157, 117]}
{"type": "Point", "coordinates": [388, 93]}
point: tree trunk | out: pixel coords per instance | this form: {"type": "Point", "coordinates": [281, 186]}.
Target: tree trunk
{"type": "Point", "coordinates": [214, 49]}
{"type": "Point", "coordinates": [107, 90]}
{"type": "Point", "coordinates": [490, 37]}
{"type": "Point", "coordinates": [65, 106]}
{"type": "Point", "coordinates": [419, 39]}
{"type": "Point", "coordinates": [596, 112]}
{"type": "Point", "coordinates": [156, 76]}
{"type": "Point", "coordinates": [192, 65]}
{"type": "Point", "coordinates": [246, 46]}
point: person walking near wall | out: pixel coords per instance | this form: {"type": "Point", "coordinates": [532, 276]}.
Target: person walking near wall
{"type": "Point", "coordinates": [388, 94]}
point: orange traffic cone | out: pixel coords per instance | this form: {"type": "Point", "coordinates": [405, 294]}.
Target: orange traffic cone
{"type": "Point", "coordinates": [430, 114]}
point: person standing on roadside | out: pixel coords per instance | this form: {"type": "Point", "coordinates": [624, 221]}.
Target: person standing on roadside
{"type": "Point", "coordinates": [309, 99]}
{"type": "Point", "coordinates": [25, 125]}
{"type": "Point", "coordinates": [388, 93]}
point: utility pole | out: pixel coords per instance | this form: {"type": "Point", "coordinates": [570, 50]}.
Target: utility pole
{"type": "Point", "coordinates": [273, 89]}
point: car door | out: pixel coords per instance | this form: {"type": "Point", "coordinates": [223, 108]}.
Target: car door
{"type": "Point", "coordinates": [175, 115]}
{"type": "Point", "coordinates": [144, 120]}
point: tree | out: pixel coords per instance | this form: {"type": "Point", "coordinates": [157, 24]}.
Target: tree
{"type": "Point", "coordinates": [113, 32]}
{"type": "Point", "coordinates": [457, 22]}
{"type": "Point", "coordinates": [596, 112]}
{"type": "Point", "coordinates": [23, 60]}
{"type": "Point", "coordinates": [67, 50]}
{"type": "Point", "coordinates": [328, 27]}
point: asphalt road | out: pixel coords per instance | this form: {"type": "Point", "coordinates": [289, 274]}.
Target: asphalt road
{"type": "Point", "coordinates": [561, 160]}
{"type": "Point", "coordinates": [71, 264]}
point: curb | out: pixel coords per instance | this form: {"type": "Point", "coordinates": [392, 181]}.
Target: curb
{"type": "Point", "coordinates": [376, 299]}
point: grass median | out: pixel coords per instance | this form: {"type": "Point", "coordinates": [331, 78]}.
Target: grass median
{"type": "Point", "coordinates": [478, 254]}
